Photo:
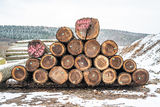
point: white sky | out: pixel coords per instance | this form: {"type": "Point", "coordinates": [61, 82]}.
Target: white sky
{"type": "Point", "coordinates": [131, 15]}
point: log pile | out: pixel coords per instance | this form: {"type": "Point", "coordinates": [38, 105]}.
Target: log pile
{"type": "Point", "coordinates": [79, 61]}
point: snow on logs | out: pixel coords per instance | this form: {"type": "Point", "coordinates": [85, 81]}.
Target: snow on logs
{"type": "Point", "coordinates": [79, 60]}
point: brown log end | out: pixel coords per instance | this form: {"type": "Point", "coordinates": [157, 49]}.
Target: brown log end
{"type": "Point", "coordinates": [67, 61]}
{"type": "Point", "coordinates": [57, 49]}
{"type": "Point", "coordinates": [129, 65]}
{"type": "Point", "coordinates": [92, 76]}
{"type": "Point", "coordinates": [32, 64]}
{"type": "Point", "coordinates": [48, 61]}
{"type": "Point", "coordinates": [140, 76]}
{"type": "Point", "coordinates": [109, 48]}
{"type": "Point", "coordinates": [116, 62]}
{"type": "Point", "coordinates": [36, 48]}
{"type": "Point", "coordinates": [58, 75]}
{"type": "Point", "coordinates": [124, 78]}
{"type": "Point", "coordinates": [40, 76]}
{"type": "Point", "coordinates": [101, 62]}
{"type": "Point", "coordinates": [75, 76]}
{"type": "Point", "coordinates": [19, 73]}
{"type": "Point", "coordinates": [91, 48]}
{"type": "Point", "coordinates": [109, 76]}
{"type": "Point", "coordinates": [82, 62]}
{"type": "Point", "coordinates": [64, 34]}
{"type": "Point", "coordinates": [75, 47]}
{"type": "Point", "coordinates": [87, 28]}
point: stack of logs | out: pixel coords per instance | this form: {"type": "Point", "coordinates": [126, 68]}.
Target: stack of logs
{"type": "Point", "coordinates": [79, 60]}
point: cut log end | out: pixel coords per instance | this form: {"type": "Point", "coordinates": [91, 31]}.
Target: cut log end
{"type": "Point", "coordinates": [82, 62]}
{"type": "Point", "coordinates": [129, 65]}
{"type": "Point", "coordinates": [19, 73]}
{"type": "Point", "coordinates": [48, 61]}
{"type": "Point", "coordinates": [92, 76]}
{"type": "Point", "coordinates": [64, 34]}
{"type": "Point", "coordinates": [58, 75]}
{"type": "Point", "coordinates": [67, 61]}
{"type": "Point", "coordinates": [36, 48]}
{"type": "Point", "coordinates": [91, 48]}
{"type": "Point", "coordinates": [1, 76]}
{"type": "Point", "coordinates": [75, 76]}
{"type": "Point", "coordinates": [87, 28]}
{"type": "Point", "coordinates": [32, 64]}
{"type": "Point", "coordinates": [124, 79]}
{"type": "Point", "coordinates": [109, 76]}
{"type": "Point", "coordinates": [116, 62]}
{"type": "Point", "coordinates": [140, 76]}
{"type": "Point", "coordinates": [40, 76]}
{"type": "Point", "coordinates": [57, 49]}
{"type": "Point", "coordinates": [75, 47]}
{"type": "Point", "coordinates": [109, 48]}
{"type": "Point", "coordinates": [101, 62]}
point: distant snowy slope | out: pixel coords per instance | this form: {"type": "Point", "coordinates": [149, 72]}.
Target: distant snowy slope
{"type": "Point", "coordinates": [146, 53]}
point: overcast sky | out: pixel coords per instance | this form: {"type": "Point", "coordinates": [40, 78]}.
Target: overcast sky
{"type": "Point", "coordinates": [131, 15]}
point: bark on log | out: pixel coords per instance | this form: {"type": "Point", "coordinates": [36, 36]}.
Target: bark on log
{"type": "Point", "coordinates": [57, 49]}
{"type": "Point", "coordinates": [101, 62]}
{"type": "Point", "coordinates": [75, 47]}
{"type": "Point", "coordinates": [64, 34]}
{"type": "Point", "coordinates": [67, 61]}
{"type": "Point", "coordinates": [48, 61]}
{"type": "Point", "coordinates": [40, 76]}
{"type": "Point", "coordinates": [37, 48]}
{"type": "Point", "coordinates": [109, 76]}
{"type": "Point", "coordinates": [75, 76]}
{"type": "Point", "coordinates": [91, 48]}
{"type": "Point", "coordinates": [19, 73]}
{"type": "Point", "coordinates": [58, 75]}
{"type": "Point", "coordinates": [109, 48]}
{"type": "Point", "coordinates": [124, 78]}
{"type": "Point", "coordinates": [92, 76]}
{"type": "Point", "coordinates": [87, 28]}
{"type": "Point", "coordinates": [129, 65]}
{"type": "Point", "coordinates": [82, 62]}
{"type": "Point", "coordinates": [116, 62]}
{"type": "Point", "coordinates": [32, 64]}
{"type": "Point", "coordinates": [140, 76]}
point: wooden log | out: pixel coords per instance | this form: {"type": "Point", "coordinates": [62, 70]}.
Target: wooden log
{"type": "Point", "coordinates": [40, 76]}
{"type": "Point", "coordinates": [58, 75]}
{"type": "Point", "coordinates": [32, 64]}
{"type": "Point", "coordinates": [92, 76]}
{"type": "Point", "coordinates": [129, 65]}
{"type": "Point", "coordinates": [75, 47]}
{"type": "Point", "coordinates": [19, 73]}
{"type": "Point", "coordinates": [87, 28]}
{"type": "Point", "coordinates": [116, 62]}
{"type": "Point", "coordinates": [75, 76]}
{"type": "Point", "coordinates": [67, 61]}
{"type": "Point", "coordinates": [48, 61]}
{"type": "Point", "coordinates": [57, 49]}
{"type": "Point", "coordinates": [140, 76]}
{"type": "Point", "coordinates": [109, 48]}
{"type": "Point", "coordinates": [91, 48]}
{"type": "Point", "coordinates": [64, 34]}
{"type": "Point", "coordinates": [37, 48]}
{"type": "Point", "coordinates": [82, 62]}
{"type": "Point", "coordinates": [101, 62]}
{"type": "Point", "coordinates": [109, 76]}
{"type": "Point", "coordinates": [124, 78]}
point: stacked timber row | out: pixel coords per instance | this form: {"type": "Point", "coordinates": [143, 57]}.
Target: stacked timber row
{"type": "Point", "coordinates": [77, 61]}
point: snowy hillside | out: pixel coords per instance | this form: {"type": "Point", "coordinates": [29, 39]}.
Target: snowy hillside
{"type": "Point", "coordinates": [146, 52]}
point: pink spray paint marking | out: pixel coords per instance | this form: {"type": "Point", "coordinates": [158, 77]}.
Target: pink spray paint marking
{"type": "Point", "coordinates": [83, 24]}
{"type": "Point", "coordinates": [36, 50]}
